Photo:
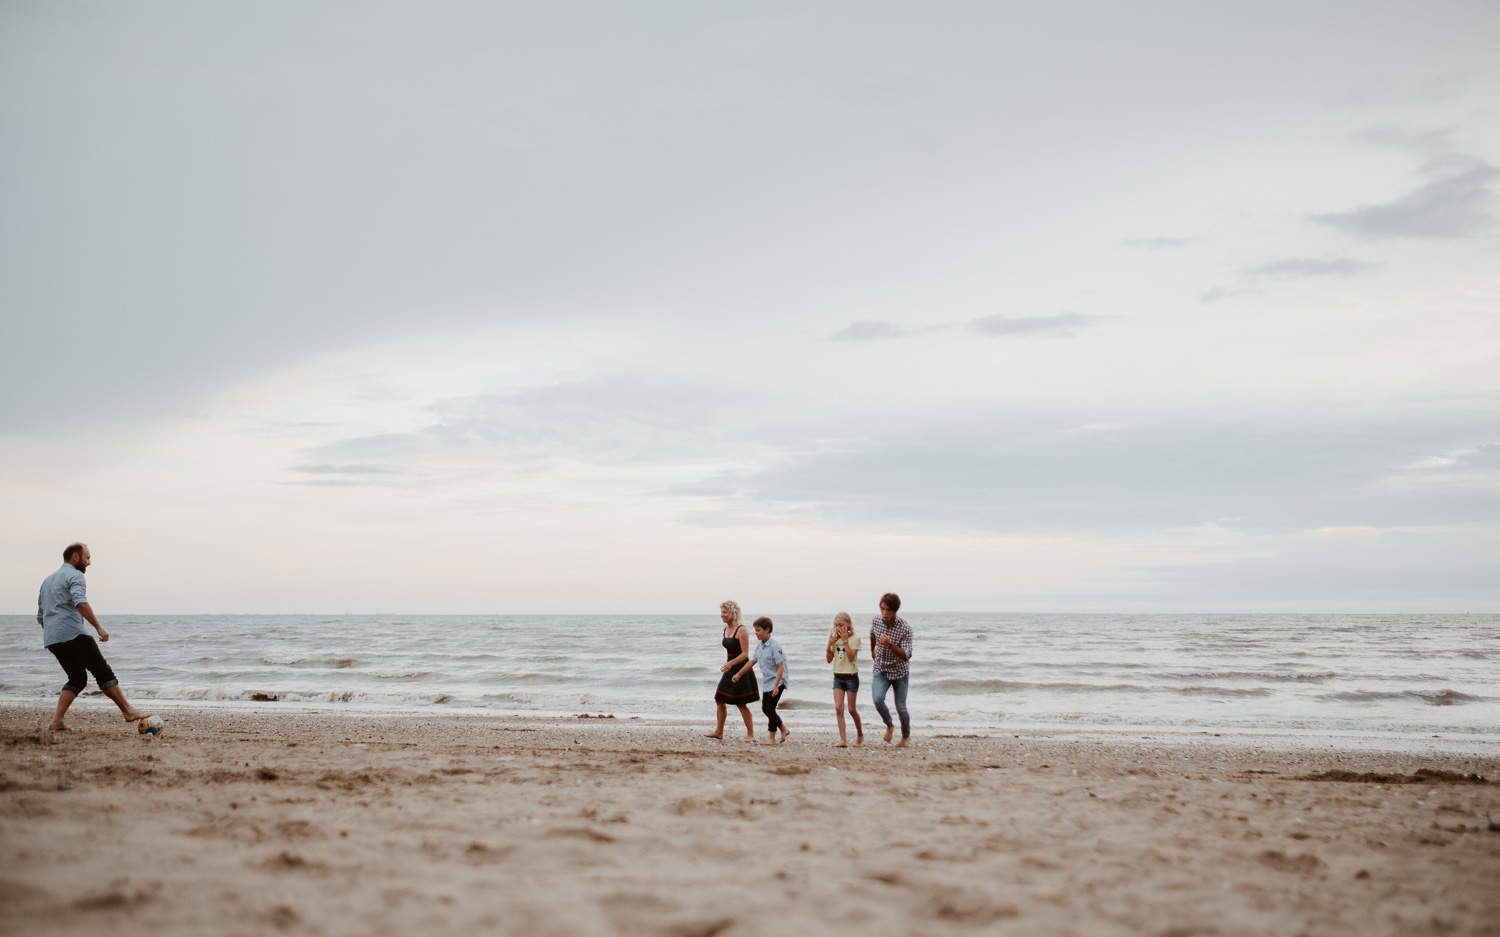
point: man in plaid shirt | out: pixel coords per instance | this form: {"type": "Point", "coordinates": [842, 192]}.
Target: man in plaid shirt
{"type": "Point", "coordinates": [890, 646]}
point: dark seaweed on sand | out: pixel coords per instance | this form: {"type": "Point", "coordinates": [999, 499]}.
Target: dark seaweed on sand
{"type": "Point", "coordinates": [1422, 776]}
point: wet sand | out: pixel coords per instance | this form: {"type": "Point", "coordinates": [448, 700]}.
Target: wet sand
{"type": "Point", "coordinates": [241, 822]}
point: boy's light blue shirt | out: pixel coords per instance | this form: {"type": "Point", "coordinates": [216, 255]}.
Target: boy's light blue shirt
{"type": "Point", "coordinates": [768, 654]}
{"type": "Point", "coordinates": [57, 605]}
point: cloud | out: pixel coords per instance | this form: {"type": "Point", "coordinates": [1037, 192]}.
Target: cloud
{"type": "Point", "coordinates": [1219, 293]}
{"type": "Point", "coordinates": [1442, 87]}
{"type": "Point", "coordinates": [1007, 475]}
{"type": "Point", "coordinates": [1456, 202]}
{"type": "Point", "coordinates": [1289, 269]}
{"type": "Point", "coordinates": [1311, 267]}
{"type": "Point", "coordinates": [1059, 326]}
{"type": "Point", "coordinates": [1445, 86]}
{"type": "Point", "coordinates": [1472, 465]}
{"type": "Point", "coordinates": [1156, 244]}
{"type": "Point", "coordinates": [326, 469]}
{"type": "Point", "coordinates": [619, 422]}
{"type": "Point", "coordinates": [1431, 142]}
{"type": "Point", "coordinates": [864, 330]}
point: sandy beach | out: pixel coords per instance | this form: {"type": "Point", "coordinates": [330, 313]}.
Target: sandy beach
{"type": "Point", "coordinates": [250, 822]}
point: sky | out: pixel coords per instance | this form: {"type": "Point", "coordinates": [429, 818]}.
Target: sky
{"type": "Point", "coordinates": [596, 307]}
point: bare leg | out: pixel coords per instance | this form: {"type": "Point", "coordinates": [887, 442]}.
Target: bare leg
{"type": "Point", "coordinates": [838, 711]}
{"type": "Point", "coordinates": [131, 713]}
{"type": "Point", "coordinates": [749, 724]}
{"type": "Point", "coordinates": [859, 727]}
{"type": "Point", "coordinates": [64, 700]}
{"type": "Point", "coordinates": [718, 733]}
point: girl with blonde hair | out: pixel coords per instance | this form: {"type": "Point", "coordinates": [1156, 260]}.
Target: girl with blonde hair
{"type": "Point", "coordinates": [843, 654]}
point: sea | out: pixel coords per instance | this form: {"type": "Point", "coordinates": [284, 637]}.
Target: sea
{"type": "Point", "coordinates": [1385, 675]}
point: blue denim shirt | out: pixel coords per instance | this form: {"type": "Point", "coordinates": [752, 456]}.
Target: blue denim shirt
{"type": "Point", "coordinates": [57, 605]}
{"type": "Point", "coordinates": [768, 654]}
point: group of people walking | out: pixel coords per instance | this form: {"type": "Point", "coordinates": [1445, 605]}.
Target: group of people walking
{"type": "Point", "coordinates": [890, 651]}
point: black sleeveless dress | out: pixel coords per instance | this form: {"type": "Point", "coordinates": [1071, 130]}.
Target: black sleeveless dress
{"type": "Point", "coordinates": [732, 691]}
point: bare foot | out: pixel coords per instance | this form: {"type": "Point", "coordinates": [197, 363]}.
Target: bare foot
{"type": "Point", "coordinates": [902, 743]}
{"type": "Point", "coordinates": [841, 744]}
{"type": "Point", "coordinates": [859, 741]}
{"type": "Point", "coordinates": [770, 741]}
{"type": "Point", "coordinates": [889, 731]}
{"type": "Point", "coordinates": [58, 727]}
{"type": "Point", "coordinates": [135, 715]}
{"type": "Point", "coordinates": [749, 740]}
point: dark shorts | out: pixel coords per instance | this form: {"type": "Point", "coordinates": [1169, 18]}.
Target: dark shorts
{"type": "Point", "coordinates": [79, 658]}
{"type": "Point", "coordinates": [848, 682]}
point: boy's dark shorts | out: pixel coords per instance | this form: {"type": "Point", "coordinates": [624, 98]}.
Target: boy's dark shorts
{"type": "Point", "coordinates": [79, 655]}
{"type": "Point", "coordinates": [848, 682]}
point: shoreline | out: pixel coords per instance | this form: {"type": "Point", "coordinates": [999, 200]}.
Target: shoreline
{"type": "Point", "coordinates": [335, 823]}
{"type": "Point", "coordinates": [1452, 744]}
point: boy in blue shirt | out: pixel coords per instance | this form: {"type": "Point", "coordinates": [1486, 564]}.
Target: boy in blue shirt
{"type": "Point", "coordinates": [773, 672]}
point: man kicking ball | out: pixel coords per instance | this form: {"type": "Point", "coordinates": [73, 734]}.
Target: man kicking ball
{"type": "Point", "coordinates": [61, 609]}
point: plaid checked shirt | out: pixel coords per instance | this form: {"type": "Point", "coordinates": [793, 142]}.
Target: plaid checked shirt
{"type": "Point", "coordinates": [885, 659]}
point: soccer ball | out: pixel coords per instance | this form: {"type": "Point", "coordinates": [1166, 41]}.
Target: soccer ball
{"type": "Point", "coordinates": [151, 725]}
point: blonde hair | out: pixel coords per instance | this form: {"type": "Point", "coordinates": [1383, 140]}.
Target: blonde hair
{"type": "Point", "coordinates": [841, 616]}
{"type": "Point", "coordinates": [733, 608]}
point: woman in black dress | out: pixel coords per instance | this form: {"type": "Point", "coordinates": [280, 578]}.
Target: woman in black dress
{"type": "Point", "coordinates": [740, 692]}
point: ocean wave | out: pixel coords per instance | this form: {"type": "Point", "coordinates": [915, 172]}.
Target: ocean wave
{"type": "Point", "coordinates": [792, 702]}
{"type": "Point", "coordinates": [513, 698]}
{"type": "Point", "coordinates": [302, 663]}
{"type": "Point", "coordinates": [1444, 697]}
{"type": "Point", "coordinates": [1269, 675]}
{"type": "Point", "coordinates": [1226, 691]}
{"type": "Point", "coordinates": [273, 695]}
{"type": "Point", "coordinates": [996, 685]}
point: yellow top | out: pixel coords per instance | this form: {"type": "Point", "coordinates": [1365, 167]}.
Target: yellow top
{"type": "Point", "coordinates": [841, 661]}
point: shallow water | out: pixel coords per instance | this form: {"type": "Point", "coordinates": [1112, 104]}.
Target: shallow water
{"type": "Point", "coordinates": [1407, 674]}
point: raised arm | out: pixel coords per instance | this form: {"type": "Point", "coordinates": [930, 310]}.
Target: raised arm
{"type": "Point", "coordinates": [833, 638]}
{"type": "Point", "coordinates": [901, 649]}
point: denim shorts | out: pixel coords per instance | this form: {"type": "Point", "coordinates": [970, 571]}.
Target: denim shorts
{"type": "Point", "coordinates": [848, 682]}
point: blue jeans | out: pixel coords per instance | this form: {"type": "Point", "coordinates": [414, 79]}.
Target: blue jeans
{"type": "Point", "coordinates": [881, 683]}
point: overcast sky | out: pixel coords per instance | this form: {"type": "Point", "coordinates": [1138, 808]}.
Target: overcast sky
{"type": "Point", "coordinates": [495, 307]}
